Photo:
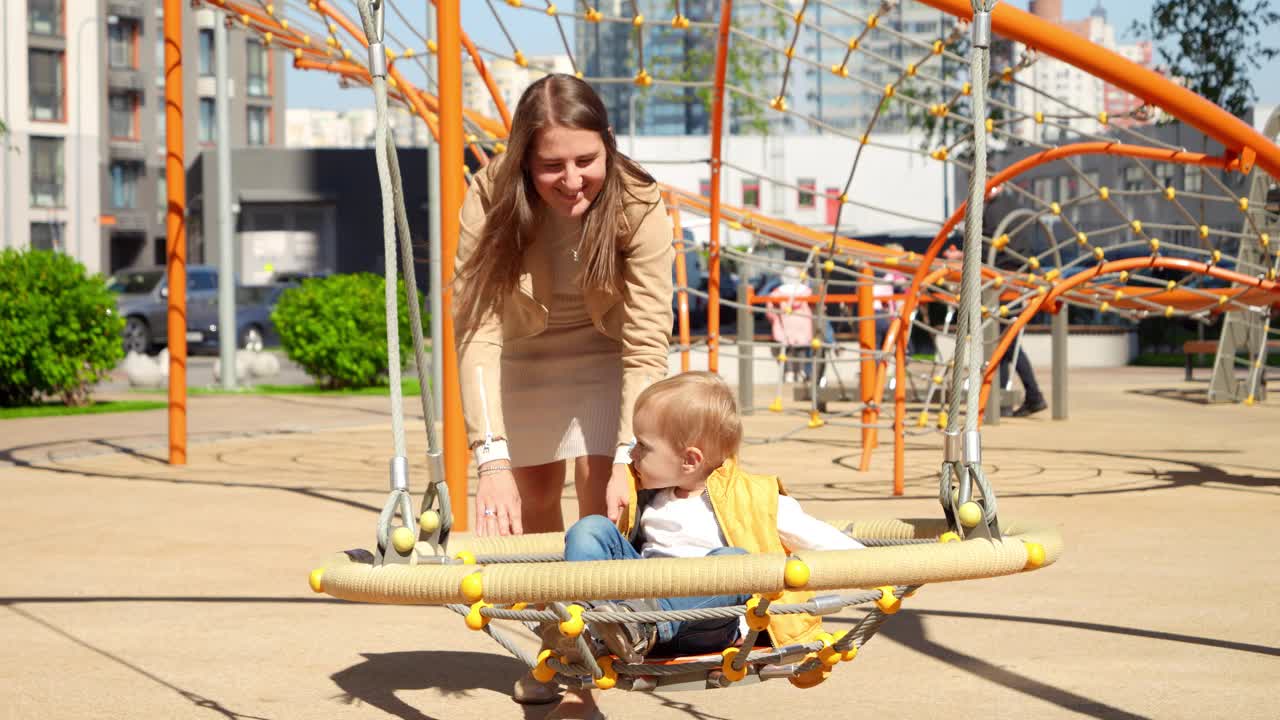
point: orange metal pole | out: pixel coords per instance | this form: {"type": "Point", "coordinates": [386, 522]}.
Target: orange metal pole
{"type": "Point", "coordinates": [449, 69]}
{"type": "Point", "coordinates": [899, 419]}
{"type": "Point", "coordinates": [867, 344]}
{"type": "Point", "coordinates": [682, 281]}
{"type": "Point", "coordinates": [175, 232]}
{"type": "Point", "coordinates": [1127, 75]}
{"type": "Point", "coordinates": [717, 130]}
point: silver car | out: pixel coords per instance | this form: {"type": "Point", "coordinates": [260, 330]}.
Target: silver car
{"type": "Point", "coordinates": [143, 301]}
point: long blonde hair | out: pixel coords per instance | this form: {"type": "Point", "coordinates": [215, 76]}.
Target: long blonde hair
{"type": "Point", "coordinates": [511, 220]}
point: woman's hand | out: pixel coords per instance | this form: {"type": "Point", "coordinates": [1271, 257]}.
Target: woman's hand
{"type": "Point", "coordinates": [618, 494]}
{"type": "Point", "coordinates": [497, 501]}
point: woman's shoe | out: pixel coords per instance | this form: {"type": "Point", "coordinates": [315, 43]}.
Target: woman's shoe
{"type": "Point", "coordinates": [528, 691]}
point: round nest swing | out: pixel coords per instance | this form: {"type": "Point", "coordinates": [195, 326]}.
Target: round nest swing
{"type": "Point", "coordinates": [524, 578]}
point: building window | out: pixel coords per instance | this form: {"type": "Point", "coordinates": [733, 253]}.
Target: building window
{"type": "Point", "coordinates": [47, 236]}
{"type": "Point", "coordinates": [206, 52]}
{"type": "Point", "coordinates": [124, 184]}
{"type": "Point", "coordinates": [259, 123]}
{"type": "Point", "coordinates": [1164, 174]}
{"type": "Point", "coordinates": [704, 188]}
{"type": "Point", "coordinates": [44, 73]}
{"type": "Point", "coordinates": [162, 189]}
{"type": "Point", "coordinates": [805, 197]}
{"type": "Point", "coordinates": [44, 17]}
{"type": "Point", "coordinates": [208, 120]}
{"type": "Point", "coordinates": [1042, 187]}
{"type": "Point", "coordinates": [1066, 188]}
{"type": "Point", "coordinates": [121, 37]}
{"type": "Point", "coordinates": [751, 193]}
{"type": "Point", "coordinates": [46, 172]}
{"type": "Point", "coordinates": [1192, 180]}
{"type": "Point", "coordinates": [258, 69]}
{"type": "Point", "coordinates": [1133, 177]}
{"type": "Point", "coordinates": [123, 115]}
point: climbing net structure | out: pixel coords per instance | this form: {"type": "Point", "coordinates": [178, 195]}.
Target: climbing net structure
{"type": "Point", "coordinates": [1163, 231]}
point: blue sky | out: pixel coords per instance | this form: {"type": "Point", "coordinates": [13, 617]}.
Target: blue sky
{"type": "Point", "coordinates": [311, 89]}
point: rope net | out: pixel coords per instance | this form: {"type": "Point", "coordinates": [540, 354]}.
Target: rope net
{"type": "Point", "coordinates": [1182, 233]}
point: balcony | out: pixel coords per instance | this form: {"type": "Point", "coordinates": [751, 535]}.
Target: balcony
{"type": "Point", "coordinates": [119, 78]}
{"type": "Point", "coordinates": [127, 149]}
{"type": "Point", "coordinates": [127, 8]}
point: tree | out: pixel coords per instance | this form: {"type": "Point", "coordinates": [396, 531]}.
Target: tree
{"type": "Point", "coordinates": [748, 66]}
{"type": "Point", "coordinates": [1212, 44]}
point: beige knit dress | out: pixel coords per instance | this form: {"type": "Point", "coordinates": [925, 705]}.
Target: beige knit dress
{"type": "Point", "coordinates": [560, 388]}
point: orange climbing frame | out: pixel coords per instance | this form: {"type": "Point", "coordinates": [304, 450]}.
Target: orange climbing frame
{"type": "Point", "coordinates": [922, 271]}
{"type": "Point", "coordinates": [1241, 140]}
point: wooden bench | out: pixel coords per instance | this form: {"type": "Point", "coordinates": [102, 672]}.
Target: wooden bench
{"type": "Point", "coordinates": [1206, 347]}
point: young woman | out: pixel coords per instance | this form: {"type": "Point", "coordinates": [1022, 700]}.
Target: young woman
{"type": "Point", "coordinates": [563, 310]}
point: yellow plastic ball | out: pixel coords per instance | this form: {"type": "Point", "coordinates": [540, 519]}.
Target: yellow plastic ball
{"type": "Point", "coordinates": [429, 521]}
{"type": "Point", "coordinates": [472, 587]}
{"type": "Point", "coordinates": [731, 674]}
{"type": "Point", "coordinates": [757, 622]}
{"type": "Point", "coordinates": [316, 581]}
{"type": "Point", "coordinates": [829, 265]}
{"type": "Point", "coordinates": [543, 672]}
{"type": "Point", "coordinates": [466, 557]}
{"type": "Point", "coordinates": [403, 540]}
{"type": "Point", "coordinates": [970, 514]}
{"type": "Point", "coordinates": [948, 536]}
{"type": "Point", "coordinates": [572, 627]}
{"type": "Point", "coordinates": [1035, 555]}
{"type": "Point", "coordinates": [474, 619]}
{"type": "Point", "coordinates": [795, 574]}
{"type": "Point", "coordinates": [609, 677]}
{"type": "Point", "coordinates": [888, 602]}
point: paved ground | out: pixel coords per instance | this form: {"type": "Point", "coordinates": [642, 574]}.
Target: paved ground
{"type": "Point", "coordinates": [134, 589]}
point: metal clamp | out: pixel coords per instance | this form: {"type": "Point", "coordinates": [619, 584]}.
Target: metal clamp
{"type": "Point", "coordinates": [952, 448]}
{"type": "Point", "coordinates": [377, 60]}
{"type": "Point", "coordinates": [981, 30]}
{"type": "Point", "coordinates": [973, 448]}
{"type": "Point", "coordinates": [399, 473]}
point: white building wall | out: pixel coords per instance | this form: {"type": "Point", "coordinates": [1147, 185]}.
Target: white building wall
{"type": "Point", "coordinates": [902, 185]}
{"type": "Point", "coordinates": [79, 131]}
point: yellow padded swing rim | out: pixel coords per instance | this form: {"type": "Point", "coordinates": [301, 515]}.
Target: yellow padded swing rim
{"type": "Point", "coordinates": [348, 579]}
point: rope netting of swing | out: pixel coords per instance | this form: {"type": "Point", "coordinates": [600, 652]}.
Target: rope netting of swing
{"type": "Point", "coordinates": [1107, 248]}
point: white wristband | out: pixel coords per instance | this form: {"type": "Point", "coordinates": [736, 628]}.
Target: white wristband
{"type": "Point", "coordinates": [622, 456]}
{"type": "Point", "coordinates": [492, 450]}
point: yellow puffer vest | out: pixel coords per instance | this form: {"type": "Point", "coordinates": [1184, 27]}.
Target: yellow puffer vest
{"type": "Point", "coordinates": [746, 508]}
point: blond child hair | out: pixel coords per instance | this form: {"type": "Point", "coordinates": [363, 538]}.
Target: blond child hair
{"type": "Point", "coordinates": [697, 409]}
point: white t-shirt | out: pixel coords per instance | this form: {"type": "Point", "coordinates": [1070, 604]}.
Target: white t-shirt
{"type": "Point", "coordinates": [679, 527]}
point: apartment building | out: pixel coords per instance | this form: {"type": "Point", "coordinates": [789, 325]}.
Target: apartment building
{"type": "Point", "coordinates": [83, 101]}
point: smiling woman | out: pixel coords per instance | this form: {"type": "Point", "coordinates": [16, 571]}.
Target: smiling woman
{"type": "Point", "coordinates": [564, 305]}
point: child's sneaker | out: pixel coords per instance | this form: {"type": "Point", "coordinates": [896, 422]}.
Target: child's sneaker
{"type": "Point", "coordinates": [630, 641]}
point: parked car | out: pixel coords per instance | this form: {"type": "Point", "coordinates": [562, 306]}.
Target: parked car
{"type": "Point", "coordinates": [254, 329]}
{"type": "Point", "coordinates": [143, 301]}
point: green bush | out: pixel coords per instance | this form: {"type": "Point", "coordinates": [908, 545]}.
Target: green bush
{"type": "Point", "coordinates": [335, 328]}
{"type": "Point", "coordinates": [59, 331]}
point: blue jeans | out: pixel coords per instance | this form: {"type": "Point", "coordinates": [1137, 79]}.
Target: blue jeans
{"type": "Point", "coordinates": [596, 538]}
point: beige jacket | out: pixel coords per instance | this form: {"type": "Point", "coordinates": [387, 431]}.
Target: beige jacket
{"type": "Point", "coordinates": [640, 317]}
